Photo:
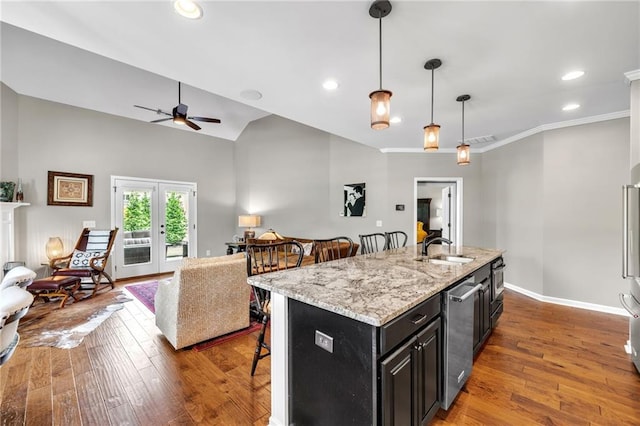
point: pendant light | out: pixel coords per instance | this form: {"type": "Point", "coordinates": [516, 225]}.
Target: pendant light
{"type": "Point", "coordinates": [380, 99]}
{"type": "Point", "coordinates": [432, 131]}
{"type": "Point", "coordinates": [463, 148]}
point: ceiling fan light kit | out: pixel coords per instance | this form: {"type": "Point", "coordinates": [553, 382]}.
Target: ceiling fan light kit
{"type": "Point", "coordinates": [463, 148]}
{"type": "Point", "coordinates": [179, 114]}
{"type": "Point", "coordinates": [380, 99]}
{"type": "Point", "coordinates": [432, 131]}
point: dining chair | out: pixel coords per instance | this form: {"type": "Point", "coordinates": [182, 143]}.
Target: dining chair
{"type": "Point", "coordinates": [261, 259]}
{"type": "Point", "coordinates": [333, 249]}
{"type": "Point", "coordinates": [371, 243]}
{"type": "Point", "coordinates": [395, 239]}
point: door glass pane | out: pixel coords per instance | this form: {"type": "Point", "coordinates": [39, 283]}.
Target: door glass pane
{"type": "Point", "coordinates": [176, 224]}
{"type": "Point", "coordinates": [137, 226]}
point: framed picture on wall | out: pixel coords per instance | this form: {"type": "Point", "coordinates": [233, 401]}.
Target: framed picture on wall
{"type": "Point", "coordinates": [69, 189]}
{"type": "Point", "coordinates": [354, 200]}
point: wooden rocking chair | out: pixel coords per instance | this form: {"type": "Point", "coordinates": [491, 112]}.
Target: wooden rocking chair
{"type": "Point", "coordinates": [88, 259]}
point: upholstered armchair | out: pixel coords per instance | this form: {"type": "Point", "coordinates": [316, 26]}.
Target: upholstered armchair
{"type": "Point", "coordinates": [14, 304]}
{"type": "Point", "coordinates": [206, 298]}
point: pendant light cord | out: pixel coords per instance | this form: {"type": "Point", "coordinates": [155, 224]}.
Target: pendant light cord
{"type": "Point", "coordinates": [462, 124]}
{"type": "Point", "coordinates": [380, 45]}
{"type": "Point", "coordinates": [432, 72]}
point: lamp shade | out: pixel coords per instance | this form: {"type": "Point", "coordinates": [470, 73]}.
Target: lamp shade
{"type": "Point", "coordinates": [54, 247]}
{"type": "Point", "coordinates": [249, 221]}
{"type": "Point", "coordinates": [380, 106]}
{"type": "Point", "coordinates": [463, 154]}
{"type": "Point", "coordinates": [431, 137]}
{"type": "Point", "coordinates": [270, 235]}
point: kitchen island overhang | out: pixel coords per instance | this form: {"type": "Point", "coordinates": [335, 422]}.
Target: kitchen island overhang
{"type": "Point", "coordinates": [373, 289]}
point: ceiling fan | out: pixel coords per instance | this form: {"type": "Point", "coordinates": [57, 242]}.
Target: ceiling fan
{"type": "Point", "coordinates": [179, 114]}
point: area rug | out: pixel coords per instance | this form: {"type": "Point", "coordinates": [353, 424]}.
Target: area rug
{"type": "Point", "coordinates": [145, 292]}
{"type": "Point", "coordinates": [46, 324]}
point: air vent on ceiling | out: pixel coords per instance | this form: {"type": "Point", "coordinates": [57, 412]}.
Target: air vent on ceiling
{"type": "Point", "coordinates": [480, 139]}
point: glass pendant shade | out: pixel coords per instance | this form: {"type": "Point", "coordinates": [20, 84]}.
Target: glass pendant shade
{"type": "Point", "coordinates": [463, 154]}
{"type": "Point", "coordinates": [380, 106]}
{"type": "Point", "coordinates": [431, 137]}
{"type": "Point", "coordinates": [54, 247]}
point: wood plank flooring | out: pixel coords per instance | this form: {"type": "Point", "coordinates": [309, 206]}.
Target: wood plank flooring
{"type": "Point", "coordinates": [544, 365]}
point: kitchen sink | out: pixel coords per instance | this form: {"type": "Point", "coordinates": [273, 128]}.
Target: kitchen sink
{"type": "Point", "coordinates": [445, 259]}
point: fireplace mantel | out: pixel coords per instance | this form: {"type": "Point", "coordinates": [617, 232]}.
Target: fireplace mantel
{"type": "Point", "coordinates": [7, 231]}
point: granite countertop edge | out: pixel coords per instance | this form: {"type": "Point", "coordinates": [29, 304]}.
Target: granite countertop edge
{"type": "Point", "coordinates": [374, 288]}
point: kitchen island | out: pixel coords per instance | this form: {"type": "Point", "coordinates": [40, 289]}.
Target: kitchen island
{"type": "Point", "coordinates": [361, 298]}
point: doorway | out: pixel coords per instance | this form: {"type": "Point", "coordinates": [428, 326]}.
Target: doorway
{"type": "Point", "coordinates": [157, 225]}
{"type": "Point", "coordinates": [445, 207]}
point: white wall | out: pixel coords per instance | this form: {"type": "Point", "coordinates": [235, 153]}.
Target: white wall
{"type": "Point", "coordinates": [8, 134]}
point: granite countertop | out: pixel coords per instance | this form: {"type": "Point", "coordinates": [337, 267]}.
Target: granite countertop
{"type": "Point", "coordinates": [374, 288]}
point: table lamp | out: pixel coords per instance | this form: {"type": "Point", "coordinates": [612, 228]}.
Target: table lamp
{"type": "Point", "coordinates": [270, 235]}
{"type": "Point", "coordinates": [249, 221]}
{"type": "Point", "coordinates": [54, 247]}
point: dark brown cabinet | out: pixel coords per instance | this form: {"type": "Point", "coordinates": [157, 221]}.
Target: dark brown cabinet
{"type": "Point", "coordinates": [410, 379]}
{"type": "Point", "coordinates": [482, 308]}
{"type": "Point", "coordinates": [424, 213]}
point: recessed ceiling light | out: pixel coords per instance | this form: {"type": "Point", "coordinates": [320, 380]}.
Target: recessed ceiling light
{"type": "Point", "coordinates": [251, 94]}
{"type": "Point", "coordinates": [572, 75]}
{"type": "Point", "coordinates": [396, 120]}
{"type": "Point", "coordinates": [570, 107]}
{"type": "Point", "coordinates": [330, 85]}
{"type": "Point", "coordinates": [188, 9]}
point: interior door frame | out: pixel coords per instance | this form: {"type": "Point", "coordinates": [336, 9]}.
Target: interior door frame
{"type": "Point", "coordinates": [459, 207]}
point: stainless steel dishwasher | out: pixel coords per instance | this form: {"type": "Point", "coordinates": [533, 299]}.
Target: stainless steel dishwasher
{"type": "Point", "coordinates": [458, 338]}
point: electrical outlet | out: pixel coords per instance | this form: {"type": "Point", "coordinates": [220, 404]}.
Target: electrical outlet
{"type": "Point", "coordinates": [379, 223]}
{"type": "Point", "coordinates": [208, 253]}
{"type": "Point", "coordinates": [324, 341]}
{"type": "Point", "coordinates": [88, 223]}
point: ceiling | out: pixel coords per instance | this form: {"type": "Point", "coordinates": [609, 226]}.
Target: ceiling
{"type": "Point", "coordinates": [509, 56]}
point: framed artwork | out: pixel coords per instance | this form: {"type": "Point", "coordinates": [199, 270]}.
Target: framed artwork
{"type": "Point", "coordinates": [354, 200]}
{"type": "Point", "coordinates": [69, 189]}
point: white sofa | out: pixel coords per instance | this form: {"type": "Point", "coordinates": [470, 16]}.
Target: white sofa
{"type": "Point", "coordinates": [206, 298]}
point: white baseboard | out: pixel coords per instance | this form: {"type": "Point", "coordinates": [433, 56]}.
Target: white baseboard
{"type": "Point", "coordinates": [568, 302]}
{"type": "Point", "coordinates": [274, 422]}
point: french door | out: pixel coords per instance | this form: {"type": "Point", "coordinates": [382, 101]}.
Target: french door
{"type": "Point", "coordinates": [156, 221]}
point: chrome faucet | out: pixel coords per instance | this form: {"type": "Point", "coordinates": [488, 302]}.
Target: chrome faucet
{"type": "Point", "coordinates": [428, 241]}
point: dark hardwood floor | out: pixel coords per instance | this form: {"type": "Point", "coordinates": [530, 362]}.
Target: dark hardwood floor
{"type": "Point", "coordinates": [544, 364]}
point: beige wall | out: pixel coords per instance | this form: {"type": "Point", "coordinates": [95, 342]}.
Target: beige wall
{"type": "Point", "coordinates": [556, 209]}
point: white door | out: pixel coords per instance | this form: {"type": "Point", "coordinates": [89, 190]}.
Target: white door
{"type": "Point", "coordinates": [449, 210]}
{"type": "Point", "coordinates": [156, 221]}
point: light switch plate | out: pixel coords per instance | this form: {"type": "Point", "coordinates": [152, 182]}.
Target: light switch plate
{"type": "Point", "coordinates": [379, 223]}
{"type": "Point", "coordinates": [88, 223]}
{"type": "Point", "coordinates": [324, 341]}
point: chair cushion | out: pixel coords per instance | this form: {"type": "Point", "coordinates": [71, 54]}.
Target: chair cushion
{"type": "Point", "coordinates": [98, 241]}
{"type": "Point", "coordinates": [81, 259]}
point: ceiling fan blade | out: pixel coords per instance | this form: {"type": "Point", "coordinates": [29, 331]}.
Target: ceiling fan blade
{"type": "Point", "coordinates": [161, 120]}
{"type": "Point", "coordinates": [156, 110]}
{"type": "Point", "coordinates": [205, 119]}
{"type": "Point", "coordinates": [191, 124]}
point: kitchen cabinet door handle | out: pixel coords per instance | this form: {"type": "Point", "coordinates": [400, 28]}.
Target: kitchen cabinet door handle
{"type": "Point", "coordinates": [467, 295]}
{"type": "Point", "coordinates": [418, 318]}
